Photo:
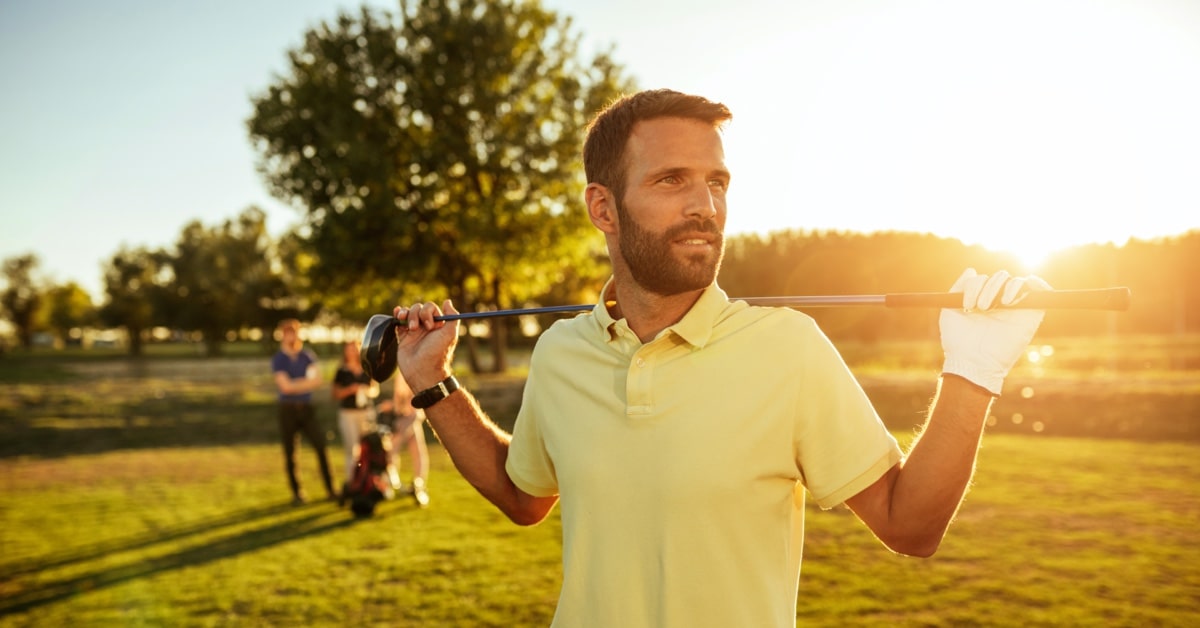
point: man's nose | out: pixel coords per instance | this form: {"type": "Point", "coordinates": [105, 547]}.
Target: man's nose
{"type": "Point", "coordinates": [701, 202]}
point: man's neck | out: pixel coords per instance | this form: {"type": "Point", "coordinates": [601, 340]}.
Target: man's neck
{"type": "Point", "coordinates": [648, 313]}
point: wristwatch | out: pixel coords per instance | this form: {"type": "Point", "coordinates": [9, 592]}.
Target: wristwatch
{"type": "Point", "coordinates": [435, 393]}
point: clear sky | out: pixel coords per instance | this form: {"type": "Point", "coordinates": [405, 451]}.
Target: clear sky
{"type": "Point", "coordinates": [1022, 125]}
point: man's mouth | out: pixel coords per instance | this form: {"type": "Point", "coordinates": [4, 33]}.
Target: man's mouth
{"type": "Point", "coordinates": [696, 234]}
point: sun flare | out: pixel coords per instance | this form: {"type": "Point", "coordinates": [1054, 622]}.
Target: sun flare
{"type": "Point", "coordinates": [971, 121]}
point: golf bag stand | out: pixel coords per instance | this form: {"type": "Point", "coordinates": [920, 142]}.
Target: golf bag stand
{"type": "Point", "coordinates": [374, 474]}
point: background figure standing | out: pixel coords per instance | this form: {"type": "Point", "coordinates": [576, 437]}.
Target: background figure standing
{"type": "Point", "coordinates": [408, 429]}
{"type": "Point", "coordinates": [354, 392]}
{"type": "Point", "coordinates": [296, 376]}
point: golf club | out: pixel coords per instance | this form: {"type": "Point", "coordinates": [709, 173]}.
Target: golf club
{"type": "Point", "coordinates": [378, 352]}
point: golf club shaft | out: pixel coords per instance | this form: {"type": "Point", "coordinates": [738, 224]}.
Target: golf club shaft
{"type": "Point", "coordinates": [1095, 299]}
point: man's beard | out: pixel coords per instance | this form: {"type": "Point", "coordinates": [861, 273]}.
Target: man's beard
{"type": "Point", "coordinates": [649, 256]}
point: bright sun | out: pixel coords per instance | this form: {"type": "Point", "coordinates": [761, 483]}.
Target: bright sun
{"type": "Point", "coordinates": [1020, 127]}
{"type": "Point", "coordinates": [1032, 252]}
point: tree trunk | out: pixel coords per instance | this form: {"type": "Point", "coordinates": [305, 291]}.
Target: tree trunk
{"type": "Point", "coordinates": [499, 333]}
{"type": "Point", "coordinates": [212, 344]}
{"type": "Point", "coordinates": [135, 341]}
{"type": "Point", "coordinates": [472, 353]}
{"type": "Point", "coordinates": [499, 345]}
{"type": "Point", "coordinates": [458, 294]}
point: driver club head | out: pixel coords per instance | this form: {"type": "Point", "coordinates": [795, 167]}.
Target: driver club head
{"type": "Point", "coordinates": [378, 351]}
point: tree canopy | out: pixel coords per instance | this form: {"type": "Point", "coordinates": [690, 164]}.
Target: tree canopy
{"type": "Point", "coordinates": [135, 293]}
{"type": "Point", "coordinates": [437, 149]}
{"type": "Point", "coordinates": [224, 279]}
{"type": "Point", "coordinates": [218, 280]}
{"type": "Point", "coordinates": [69, 308]}
{"type": "Point", "coordinates": [22, 297]}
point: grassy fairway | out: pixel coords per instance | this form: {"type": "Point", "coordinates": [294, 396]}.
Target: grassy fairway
{"type": "Point", "coordinates": [204, 536]}
{"type": "Point", "coordinates": [151, 493]}
{"type": "Point", "coordinates": [1056, 532]}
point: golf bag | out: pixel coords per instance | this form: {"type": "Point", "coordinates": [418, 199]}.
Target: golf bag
{"type": "Point", "coordinates": [373, 473]}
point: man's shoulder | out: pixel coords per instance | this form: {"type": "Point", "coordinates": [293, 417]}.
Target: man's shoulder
{"type": "Point", "coordinates": [563, 332]}
{"type": "Point", "coordinates": [579, 324]}
{"type": "Point", "coordinates": [739, 315]}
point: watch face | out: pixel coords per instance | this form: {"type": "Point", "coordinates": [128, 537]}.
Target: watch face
{"type": "Point", "coordinates": [436, 393]}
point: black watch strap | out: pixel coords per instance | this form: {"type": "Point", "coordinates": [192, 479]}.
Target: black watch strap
{"type": "Point", "coordinates": [435, 393]}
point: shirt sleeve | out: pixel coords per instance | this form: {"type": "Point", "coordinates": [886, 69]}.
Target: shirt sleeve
{"type": "Point", "coordinates": [842, 444]}
{"type": "Point", "coordinates": [529, 464]}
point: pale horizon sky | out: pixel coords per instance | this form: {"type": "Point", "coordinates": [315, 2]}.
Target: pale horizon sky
{"type": "Point", "coordinates": [1021, 125]}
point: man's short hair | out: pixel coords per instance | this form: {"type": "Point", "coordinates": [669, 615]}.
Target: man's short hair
{"type": "Point", "coordinates": [289, 323]}
{"type": "Point", "coordinates": [604, 148]}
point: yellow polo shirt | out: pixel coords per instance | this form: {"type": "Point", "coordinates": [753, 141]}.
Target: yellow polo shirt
{"type": "Point", "coordinates": [681, 463]}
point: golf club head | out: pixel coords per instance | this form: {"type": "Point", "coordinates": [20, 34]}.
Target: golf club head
{"type": "Point", "coordinates": [378, 351]}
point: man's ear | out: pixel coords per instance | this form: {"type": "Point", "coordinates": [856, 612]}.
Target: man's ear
{"type": "Point", "coordinates": [602, 209]}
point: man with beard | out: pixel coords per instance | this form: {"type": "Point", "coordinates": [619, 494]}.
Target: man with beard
{"type": "Point", "coordinates": [679, 429]}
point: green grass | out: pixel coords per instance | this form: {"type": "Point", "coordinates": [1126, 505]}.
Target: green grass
{"type": "Point", "coordinates": [151, 493]}
{"type": "Point", "coordinates": [205, 536]}
{"type": "Point", "coordinates": [1055, 532]}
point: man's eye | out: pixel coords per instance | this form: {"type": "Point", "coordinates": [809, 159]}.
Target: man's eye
{"type": "Point", "coordinates": [719, 183]}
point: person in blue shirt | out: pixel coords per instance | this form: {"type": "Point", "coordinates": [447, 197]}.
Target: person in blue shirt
{"type": "Point", "coordinates": [294, 368]}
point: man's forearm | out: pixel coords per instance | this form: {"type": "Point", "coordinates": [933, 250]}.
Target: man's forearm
{"type": "Point", "coordinates": [298, 386]}
{"type": "Point", "coordinates": [479, 450]}
{"type": "Point", "coordinates": [936, 473]}
{"type": "Point", "coordinates": [301, 386]}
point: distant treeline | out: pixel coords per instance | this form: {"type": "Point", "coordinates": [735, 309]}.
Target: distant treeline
{"type": "Point", "coordinates": [1162, 274]}
{"type": "Point", "coordinates": [219, 282]}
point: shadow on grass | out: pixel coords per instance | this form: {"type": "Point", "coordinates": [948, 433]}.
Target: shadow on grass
{"type": "Point", "coordinates": [97, 550]}
{"type": "Point", "coordinates": [89, 424]}
{"type": "Point", "coordinates": [202, 549]}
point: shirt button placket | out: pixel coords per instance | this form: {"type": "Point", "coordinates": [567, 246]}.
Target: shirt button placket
{"type": "Point", "coordinates": [637, 386]}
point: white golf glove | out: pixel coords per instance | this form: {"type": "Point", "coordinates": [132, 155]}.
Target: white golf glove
{"type": "Point", "coordinates": [980, 343]}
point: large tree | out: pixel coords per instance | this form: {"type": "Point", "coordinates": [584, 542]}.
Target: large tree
{"type": "Point", "coordinates": [224, 278]}
{"type": "Point", "coordinates": [22, 297]}
{"type": "Point", "coordinates": [68, 307]}
{"type": "Point", "coordinates": [437, 148]}
{"type": "Point", "coordinates": [135, 290]}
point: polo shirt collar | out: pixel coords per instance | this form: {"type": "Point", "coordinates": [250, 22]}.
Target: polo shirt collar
{"type": "Point", "coordinates": [695, 328]}
{"type": "Point", "coordinates": [697, 325]}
